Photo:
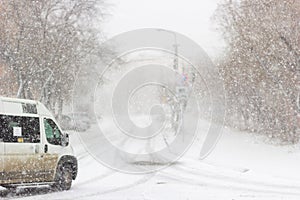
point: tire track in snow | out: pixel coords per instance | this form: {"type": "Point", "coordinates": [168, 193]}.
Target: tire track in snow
{"type": "Point", "coordinates": [143, 180]}
{"type": "Point", "coordinates": [238, 179]}
{"type": "Point", "coordinates": [217, 181]}
{"type": "Point", "coordinates": [118, 189]}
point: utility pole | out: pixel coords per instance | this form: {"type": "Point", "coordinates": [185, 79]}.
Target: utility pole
{"type": "Point", "coordinates": [175, 106]}
{"type": "Point", "coordinates": [175, 62]}
{"type": "Point", "coordinates": [176, 53]}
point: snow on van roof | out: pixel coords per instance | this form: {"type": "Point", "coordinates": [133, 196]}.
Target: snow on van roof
{"type": "Point", "coordinates": [41, 108]}
{"type": "Point", "coordinates": [18, 100]}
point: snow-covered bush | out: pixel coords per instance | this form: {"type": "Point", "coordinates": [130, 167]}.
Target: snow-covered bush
{"type": "Point", "coordinates": [262, 63]}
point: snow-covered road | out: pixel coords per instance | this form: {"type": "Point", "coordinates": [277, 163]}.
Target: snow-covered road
{"type": "Point", "coordinates": [240, 168]}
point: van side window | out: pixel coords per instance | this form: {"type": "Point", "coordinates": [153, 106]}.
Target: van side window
{"type": "Point", "coordinates": [52, 132]}
{"type": "Point", "coordinates": [29, 108]}
{"type": "Point", "coordinates": [17, 129]}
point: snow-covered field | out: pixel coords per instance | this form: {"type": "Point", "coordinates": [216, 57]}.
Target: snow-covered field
{"type": "Point", "coordinates": [241, 167]}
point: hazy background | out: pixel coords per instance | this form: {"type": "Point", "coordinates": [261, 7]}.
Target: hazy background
{"type": "Point", "coordinates": [190, 17]}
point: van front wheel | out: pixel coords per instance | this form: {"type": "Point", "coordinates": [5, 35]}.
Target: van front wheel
{"type": "Point", "coordinates": [63, 179]}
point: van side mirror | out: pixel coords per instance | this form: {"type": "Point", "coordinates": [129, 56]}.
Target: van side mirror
{"type": "Point", "coordinates": [65, 140]}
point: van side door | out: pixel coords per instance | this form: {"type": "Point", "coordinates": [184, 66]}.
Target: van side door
{"type": "Point", "coordinates": [2, 175]}
{"type": "Point", "coordinates": [22, 143]}
{"type": "Point", "coordinates": [53, 147]}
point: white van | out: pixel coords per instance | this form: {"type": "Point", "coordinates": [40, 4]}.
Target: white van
{"type": "Point", "coordinates": [33, 149]}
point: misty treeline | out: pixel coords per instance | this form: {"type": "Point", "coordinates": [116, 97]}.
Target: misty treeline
{"type": "Point", "coordinates": [261, 66]}
{"type": "Point", "coordinates": [44, 44]}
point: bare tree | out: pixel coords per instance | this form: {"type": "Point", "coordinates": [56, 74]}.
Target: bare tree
{"type": "Point", "coordinates": [44, 43]}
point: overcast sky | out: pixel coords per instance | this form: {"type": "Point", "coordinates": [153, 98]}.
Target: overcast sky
{"type": "Point", "coordinates": [189, 17]}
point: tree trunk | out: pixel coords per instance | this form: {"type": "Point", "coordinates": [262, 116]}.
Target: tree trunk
{"type": "Point", "coordinates": [60, 108]}
{"type": "Point", "coordinates": [21, 90]}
